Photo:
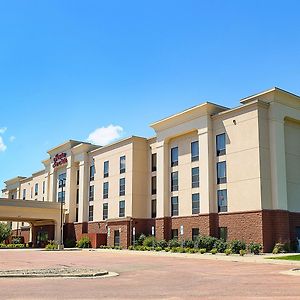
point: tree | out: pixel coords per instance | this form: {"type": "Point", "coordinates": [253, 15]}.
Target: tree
{"type": "Point", "coordinates": [5, 232]}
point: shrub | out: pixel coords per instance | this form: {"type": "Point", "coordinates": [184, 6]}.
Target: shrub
{"type": "Point", "coordinates": [52, 245]}
{"type": "Point", "coordinates": [17, 240]}
{"type": "Point", "coordinates": [5, 232]}
{"type": "Point", "coordinates": [237, 245]}
{"type": "Point", "coordinates": [84, 242]}
{"type": "Point", "coordinates": [254, 248]}
{"type": "Point", "coordinates": [228, 251]}
{"type": "Point", "coordinates": [174, 243]}
{"type": "Point", "coordinates": [130, 248]}
{"type": "Point", "coordinates": [12, 246]}
{"type": "Point", "coordinates": [188, 244]}
{"type": "Point", "coordinates": [70, 243]}
{"type": "Point", "coordinates": [280, 248]}
{"type": "Point", "coordinates": [221, 245]}
{"type": "Point", "coordinates": [158, 248]}
{"type": "Point", "coordinates": [148, 248]}
{"type": "Point", "coordinates": [163, 244]}
{"type": "Point", "coordinates": [141, 239]}
{"type": "Point", "coordinates": [202, 250]}
{"type": "Point", "coordinates": [192, 250]}
{"type": "Point", "coordinates": [181, 250]}
{"type": "Point", "coordinates": [206, 242]}
{"type": "Point", "coordinates": [149, 241]}
{"type": "Point", "coordinates": [167, 249]}
{"type": "Point", "coordinates": [243, 252]}
{"type": "Point", "coordinates": [214, 251]}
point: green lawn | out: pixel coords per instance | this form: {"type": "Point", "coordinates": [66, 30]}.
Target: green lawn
{"type": "Point", "coordinates": [287, 257]}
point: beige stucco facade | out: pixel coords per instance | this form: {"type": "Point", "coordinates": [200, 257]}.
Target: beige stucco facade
{"type": "Point", "coordinates": [262, 158]}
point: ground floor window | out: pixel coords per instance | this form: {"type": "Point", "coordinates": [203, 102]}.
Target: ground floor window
{"type": "Point", "coordinates": [223, 233]}
{"type": "Point", "coordinates": [174, 234]}
{"type": "Point", "coordinates": [195, 233]}
{"type": "Point", "coordinates": [116, 238]}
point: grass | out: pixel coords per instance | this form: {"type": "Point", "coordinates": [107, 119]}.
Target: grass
{"type": "Point", "coordinates": [287, 257]}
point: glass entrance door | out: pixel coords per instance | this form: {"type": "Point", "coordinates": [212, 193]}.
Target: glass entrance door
{"type": "Point", "coordinates": [41, 238]}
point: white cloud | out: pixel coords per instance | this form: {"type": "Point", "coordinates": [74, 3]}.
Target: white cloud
{"type": "Point", "coordinates": [2, 130]}
{"type": "Point", "coordinates": [12, 138]}
{"type": "Point", "coordinates": [105, 135]}
{"type": "Point", "coordinates": [2, 145]}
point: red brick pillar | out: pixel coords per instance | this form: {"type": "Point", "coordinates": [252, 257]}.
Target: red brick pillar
{"type": "Point", "coordinates": [163, 228]}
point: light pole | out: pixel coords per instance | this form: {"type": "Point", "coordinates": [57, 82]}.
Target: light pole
{"type": "Point", "coordinates": [62, 200]}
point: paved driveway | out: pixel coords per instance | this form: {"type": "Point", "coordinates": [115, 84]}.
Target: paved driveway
{"type": "Point", "coordinates": [148, 276]}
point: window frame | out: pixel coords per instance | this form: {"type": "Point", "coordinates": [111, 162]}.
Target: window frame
{"type": "Point", "coordinates": [174, 212]}
{"type": "Point", "coordinates": [154, 162]}
{"type": "Point", "coordinates": [122, 164]}
{"type": "Point", "coordinates": [153, 185]}
{"type": "Point", "coordinates": [222, 208]}
{"type": "Point", "coordinates": [153, 208]}
{"type": "Point", "coordinates": [91, 213]}
{"type": "Point", "coordinates": [195, 184]}
{"type": "Point", "coordinates": [174, 162]}
{"type": "Point", "coordinates": [174, 181]}
{"type": "Point", "coordinates": [195, 157]}
{"type": "Point", "coordinates": [122, 186]}
{"type": "Point", "coordinates": [220, 151]}
{"type": "Point", "coordinates": [105, 209]}
{"type": "Point", "coordinates": [195, 210]}
{"type": "Point", "coordinates": [121, 209]}
{"type": "Point", "coordinates": [91, 193]}
{"type": "Point", "coordinates": [106, 166]}
{"type": "Point", "coordinates": [221, 180]}
{"type": "Point", "coordinates": [105, 192]}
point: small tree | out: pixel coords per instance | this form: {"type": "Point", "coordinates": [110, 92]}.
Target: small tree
{"type": "Point", "coordinates": [5, 232]}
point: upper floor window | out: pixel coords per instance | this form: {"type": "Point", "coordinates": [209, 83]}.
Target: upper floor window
{"type": "Point", "coordinates": [174, 156]}
{"type": "Point", "coordinates": [91, 193]}
{"type": "Point", "coordinates": [92, 172]}
{"type": "Point", "coordinates": [122, 164]}
{"type": "Point", "coordinates": [106, 169]}
{"type": "Point", "coordinates": [222, 200]}
{"type": "Point", "coordinates": [221, 144]}
{"type": "Point", "coordinates": [174, 181]}
{"type": "Point", "coordinates": [153, 208]}
{"type": "Point", "coordinates": [153, 162]}
{"type": "Point", "coordinates": [105, 190]}
{"type": "Point", "coordinates": [43, 187]}
{"type": "Point", "coordinates": [62, 180]}
{"type": "Point", "coordinates": [153, 185]}
{"type": "Point", "coordinates": [77, 177]}
{"type": "Point", "coordinates": [221, 172]}
{"type": "Point", "coordinates": [61, 197]}
{"type": "Point", "coordinates": [24, 194]}
{"type": "Point", "coordinates": [122, 186]}
{"type": "Point", "coordinates": [122, 208]}
{"type": "Point", "coordinates": [77, 214]}
{"type": "Point", "coordinates": [195, 177]}
{"type": "Point", "coordinates": [36, 189]}
{"type": "Point", "coordinates": [195, 203]}
{"type": "Point", "coordinates": [91, 213]}
{"type": "Point", "coordinates": [174, 206]}
{"type": "Point", "coordinates": [195, 151]}
{"type": "Point", "coordinates": [105, 211]}
{"type": "Point", "coordinates": [77, 196]}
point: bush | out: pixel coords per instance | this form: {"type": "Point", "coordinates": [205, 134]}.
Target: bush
{"type": "Point", "coordinates": [149, 241]}
{"type": "Point", "coordinates": [280, 248]}
{"type": "Point", "coordinates": [52, 245]}
{"type": "Point", "coordinates": [207, 242]}
{"type": "Point", "coordinates": [130, 248]}
{"type": "Point", "coordinates": [70, 243]}
{"type": "Point", "coordinates": [228, 251]}
{"type": "Point", "coordinates": [84, 242]}
{"type": "Point", "coordinates": [141, 239]}
{"type": "Point", "coordinates": [158, 248]}
{"type": "Point", "coordinates": [5, 232]}
{"type": "Point", "coordinates": [214, 251]}
{"type": "Point", "coordinates": [202, 250]}
{"type": "Point", "coordinates": [12, 246]}
{"type": "Point", "coordinates": [167, 249]}
{"type": "Point", "coordinates": [174, 243]}
{"type": "Point", "coordinates": [17, 240]}
{"type": "Point", "coordinates": [163, 244]}
{"type": "Point", "coordinates": [192, 250]}
{"type": "Point", "coordinates": [255, 248]}
{"type": "Point", "coordinates": [243, 252]}
{"type": "Point", "coordinates": [188, 244]}
{"type": "Point", "coordinates": [237, 245]}
{"type": "Point", "coordinates": [221, 245]}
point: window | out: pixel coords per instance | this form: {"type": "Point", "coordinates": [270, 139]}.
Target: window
{"type": "Point", "coordinates": [195, 177]}
{"type": "Point", "coordinates": [106, 169]}
{"type": "Point", "coordinates": [105, 190]}
{"type": "Point", "coordinates": [91, 213]}
{"type": "Point", "coordinates": [122, 164]}
{"type": "Point", "coordinates": [221, 172]}
{"type": "Point", "coordinates": [174, 206]}
{"type": "Point", "coordinates": [36, 189]}
{"type": "Point", "coordinates": [195, 233]}
{"type": "Point", "coordinates": [62, 180]}
{"type": "Point", "coordinates": [122, 186]}
{"type": "Point", "coordinates": [31, 192]}
{"type": "Point", "coordinates": [222, 200]}
{"type": "Point", "coordinates": [92, 172]}
{"type": "Point", "coordinates": [77, 213]}
{"type": "Point", "coordinates": [153, 208]}
{"type": "Point", "coordinates": [116, 238]}
{"type": "Point", "coordinates": [174, 234]}
{"type": "Point", "coordinates": [223, 233]}
{"type": "Point", "coordinates": [174, 181]}
{"type": "Point", "coordinates": [195, 151]}
{"type": "Point", "coordinates": [61, 196]}
{"type": "Point", "coordinates": [221, 144]}
{"type": "Point", "coordinates": [105, 211]}
{"type": "Point", "coordinates": [154, 162]}
{"type": "Point", "coordinates": [153, 185]}
{"type": "Point", "coordinates": [122, 208]}
{"type": "Point", "coordinates": [43, 187]}
{"type": "Point", "coordinates": [77, 177]}
{"type": "Point", "coordinates": [174, 156]}
{"type": "Point", "coordinates": [24, 194]}
{"type": "Point", "coordinates": [91, 193]}
{"type": "Point", "coordinates": [195, 204]}
{"type": "Point", "coordinates": [77, 196]}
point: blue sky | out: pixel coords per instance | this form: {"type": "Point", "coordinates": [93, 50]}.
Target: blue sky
{"type": "Point", "coordinates": [68, 68]}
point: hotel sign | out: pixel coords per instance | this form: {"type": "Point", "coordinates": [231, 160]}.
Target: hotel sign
{"type": "Point", "coordinates": [60, 159]}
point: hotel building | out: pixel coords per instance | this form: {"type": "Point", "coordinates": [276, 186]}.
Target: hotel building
{"type": "Point", "coordinates": [226, 172]}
